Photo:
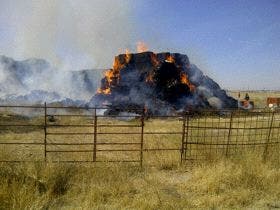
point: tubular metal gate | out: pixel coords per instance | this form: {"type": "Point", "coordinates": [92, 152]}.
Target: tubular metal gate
{"type": "Point", "coordinates": [74, 134]}
{"type": "Point", "coordinates": [231, 133]}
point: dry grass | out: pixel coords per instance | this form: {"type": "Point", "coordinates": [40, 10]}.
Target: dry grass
{"type": "Point", "coordinates": [242, 134]}
{"type": "Point", "coordinates": [242, 181]}
{"type": "Point", "coordinates": [247, 183]}
{"type": "Point", "coordinates": [259, 97]}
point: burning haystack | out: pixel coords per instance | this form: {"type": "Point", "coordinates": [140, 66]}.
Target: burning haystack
{"type": "Point", "coordinates": [162, 83]}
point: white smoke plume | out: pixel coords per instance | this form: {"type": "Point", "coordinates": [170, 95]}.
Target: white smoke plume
{"type": "Point", "coordinates": [19, 78]}
{"type": "Point", "coordinates": [68, 33]}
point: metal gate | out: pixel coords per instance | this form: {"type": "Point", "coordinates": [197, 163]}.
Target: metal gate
{"type": "Point", "coordinates": [101, 139]}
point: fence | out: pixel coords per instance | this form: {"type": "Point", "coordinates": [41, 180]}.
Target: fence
{"type": "Point", "coordinates": [74, 134]}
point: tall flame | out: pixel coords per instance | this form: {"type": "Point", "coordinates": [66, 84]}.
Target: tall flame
{"type": "Point", "coordinates": [109, 74]}
{"type": "Point", "coordinates": [112, 76]}
{"type": "Point", "coordinates": [141, 47]}
{"type": "Point", "coordinates": [185, 80]}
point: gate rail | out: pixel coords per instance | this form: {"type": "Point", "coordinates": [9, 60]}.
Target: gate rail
{"type": "Point", "coordinates": [203, 133]}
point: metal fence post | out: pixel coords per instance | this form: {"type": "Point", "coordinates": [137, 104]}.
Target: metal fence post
{"type": "Point", "coordinates": [229, 132]}
{"type": "Point", "coordinates": [186, 135]}
{"type": "Point", "coordinates": [142, 137]}
{"type": "Point", "coordinates": [45, 132]}
{"type": "Point", "coordinates": [268, 137]}
{"type": "Point", "coordinates": [94, 136]}
{"type": "Point", "coordinates": [183, 136]}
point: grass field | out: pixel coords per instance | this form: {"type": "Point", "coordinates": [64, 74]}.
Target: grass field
{"type": "Point", "coordinates": [259, 97]}
{"type": "Point", "coordinates": [247, 183]}
{"type": "Point", "coordinates": [240, 181]}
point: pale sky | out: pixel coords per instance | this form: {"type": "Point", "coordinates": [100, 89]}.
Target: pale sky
{"type": "Point", "coordinates": [237, 43]}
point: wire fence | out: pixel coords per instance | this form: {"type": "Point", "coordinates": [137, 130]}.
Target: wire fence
{"type": "Point", "coordinates": [83, 134]}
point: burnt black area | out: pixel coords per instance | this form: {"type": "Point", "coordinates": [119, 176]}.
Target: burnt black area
{"type": "Point", "coordinates": [158, 87]}
{"type": "Point", "coordinates": [168, 83]}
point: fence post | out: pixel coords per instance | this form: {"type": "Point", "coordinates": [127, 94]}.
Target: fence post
{"type": "Point", "coordinates": [268, 138]}
{"type": "Point", "coordinates": [45, 132]}
{"type": "Point", "coordinates": [183, 136]}
{"type": "Point", "coordinates": [186, 135]}
{"type": "Point", "coordinates": [229, 132]}
{"type": "Point", "coordinates": [94, 136]}
{"type": "Point", "coordinates": [142, 137]}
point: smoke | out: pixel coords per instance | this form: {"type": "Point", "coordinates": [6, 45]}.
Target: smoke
{"type": "Point", "coordinates": [68, 33]}
{"type": "Point", "coordinates": [32, 77]}
{"type": "Point", "coordinates": [163, 83]}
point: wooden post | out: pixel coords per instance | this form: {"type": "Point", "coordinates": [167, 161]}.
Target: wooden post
{"type": "Point", "coordinates": [229, 133]}
{"type": "Point", "coordinates": [183, 137]}
{"type": "Point", "coordinates": [94, 136]}
{"type": "Point", "coordinates": [45, 132]}
{"type": "Point", "coordinates": [142, 138]}
{"type": "Point", "coordinates": [268, 138]}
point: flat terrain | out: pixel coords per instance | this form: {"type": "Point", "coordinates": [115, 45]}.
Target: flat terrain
{"type": "Point", "coordinates": [215, 174]}
{"type": "Point", "coordinates": [71, 137]}
{"type": "Point", "coordinates": [259, 97]}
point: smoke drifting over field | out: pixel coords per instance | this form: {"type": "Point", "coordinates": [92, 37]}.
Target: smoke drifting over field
{"type": "Point", "coordinates": [35, 80]}
{"type": "Point", "coordinates": [69, 34]}
{"type": "Point", "coordinates": [163, 81]}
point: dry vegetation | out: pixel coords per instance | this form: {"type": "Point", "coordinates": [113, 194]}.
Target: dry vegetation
{"type": "Point", "coordinates": [227, 184]}
{"type": "Point", "coordinates": [242, 181]}
{"type": "Point", "coordinates": [259, 97]}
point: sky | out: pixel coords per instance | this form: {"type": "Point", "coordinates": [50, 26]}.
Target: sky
{"type": "Point", "coordinates": [237, 43]}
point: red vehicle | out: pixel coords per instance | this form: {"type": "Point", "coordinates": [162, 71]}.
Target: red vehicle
{"type": "Point", "coordinates": [273, 102]}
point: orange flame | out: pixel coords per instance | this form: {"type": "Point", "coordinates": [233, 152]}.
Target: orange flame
{"type": "Point", "coordinates": [170, 59]}
{"type": "Point", "coordinates": [185, 80]}
{"type": "Point", "coordinates": [113, 75]}
{"type": "Point", "coordinates": [104, 91]}
{"type": "Point", "coordinates": [127, 55]}
{"type": "Point", "coordinates": [154, 59]}
{"type": "Point", "coordinates": [141, 47]}
{"type": "Point", "coordinates": [109, 74]}
{"type": "Point", "coordinates": [117, 66]}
